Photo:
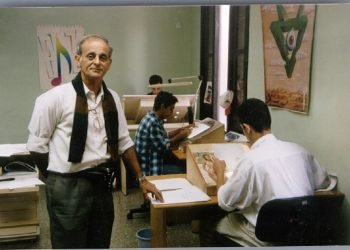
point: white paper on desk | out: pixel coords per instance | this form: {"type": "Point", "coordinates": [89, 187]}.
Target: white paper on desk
{"type": "Point", "coordinates": [21, 183]}
{"type": "Point", "coordinates": [199, 128]}
{"type": "Point", "coordinates": [11, 149]}
{"type": "Point", "coordinates": [184, 192]}
{"type": "Point", "coordinates": [174, 183]}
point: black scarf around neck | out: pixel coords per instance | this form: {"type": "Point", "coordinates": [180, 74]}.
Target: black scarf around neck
{"type": "Point", "coordinates": [80, 122]}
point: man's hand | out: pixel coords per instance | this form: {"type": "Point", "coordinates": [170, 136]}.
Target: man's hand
{"type": "Point", "coordinates": [186, 131]}
{"type": "Point", "coordinates": [219, 166]}
{"type": "Point", "coordinates": [217, 170]}
{"type": "Point", "coordinates": [190, 126]}
{"type": "Point", "coordinates": [148, 187]}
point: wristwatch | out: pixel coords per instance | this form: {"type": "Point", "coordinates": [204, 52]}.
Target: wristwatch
{"type": "Point", "coordinates": [141, 179]}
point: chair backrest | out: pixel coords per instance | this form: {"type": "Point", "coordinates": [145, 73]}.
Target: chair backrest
{"type": "Point", "coordinates": [307, 220]}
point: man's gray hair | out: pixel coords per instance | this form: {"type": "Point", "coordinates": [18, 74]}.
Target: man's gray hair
{"type": "Point", "coordinates": [81, 42]}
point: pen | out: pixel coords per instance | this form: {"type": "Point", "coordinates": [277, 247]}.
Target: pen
{"type": "Point", "coordinates": [170, 189]}
{"type": "Point", "coordinates": [7, 179]}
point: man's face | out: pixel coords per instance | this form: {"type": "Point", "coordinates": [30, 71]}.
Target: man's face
{"type": "Point", "coordinates": [94, 60]}
{"type": "Point", "coordinates": [156, 90]}
{"type": "Point", "coordinates": [167, 112]}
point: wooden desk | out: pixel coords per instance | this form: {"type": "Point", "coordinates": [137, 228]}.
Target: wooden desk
{"type": "Point", "coordinates": [19, 219]}
{"type": "Point", "coordinates": [159, 213]}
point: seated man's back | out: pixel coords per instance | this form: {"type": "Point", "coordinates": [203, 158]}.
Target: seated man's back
{"type": "Point", "coordinates": [271, 169]}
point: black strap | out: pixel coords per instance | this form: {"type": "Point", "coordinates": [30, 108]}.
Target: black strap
{"type": "Point", "coordinates": [80, 122]}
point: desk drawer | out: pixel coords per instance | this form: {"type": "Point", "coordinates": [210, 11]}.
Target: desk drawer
{"type": "Point", "coordinates": [19, 233]}
{"type": "Point", "coordinates": [7, 217]}
{"type": "Point", "coordinates": [19, 214]}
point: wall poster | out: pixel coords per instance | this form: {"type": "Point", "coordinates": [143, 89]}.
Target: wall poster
{"type": "Point", "coordinates": [56, 49]}
{"type": "Point", "coordinates": [287, 40]}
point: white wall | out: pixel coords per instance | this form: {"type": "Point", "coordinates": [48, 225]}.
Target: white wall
{"type": "Point", "coordinates": [325, 131]}
{"type": "Point", "coordinates": [146, 40]}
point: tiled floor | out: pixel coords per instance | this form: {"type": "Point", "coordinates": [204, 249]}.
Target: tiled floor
{"type": "Point", "coordinates": [124, 230]}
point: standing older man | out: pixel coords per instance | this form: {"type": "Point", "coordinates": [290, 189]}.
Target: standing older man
{"type": "Point", "coordinates": [77, 133]}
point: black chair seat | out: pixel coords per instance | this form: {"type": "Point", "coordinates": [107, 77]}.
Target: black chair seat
{"type": "Point", "coordinates": [307, 220]}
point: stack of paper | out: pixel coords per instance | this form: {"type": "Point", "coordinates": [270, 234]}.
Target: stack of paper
{"type": "Point", "coordinates": [178, 190]}
{"type": "Point", "coordinates": [14, 182]}
{"type": "Point", "coordinates": [12, 149]}
{"type": "Point", "coordinates": [17, 173]}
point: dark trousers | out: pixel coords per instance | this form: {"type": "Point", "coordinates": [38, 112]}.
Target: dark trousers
{"type": "Point", "coordinates": [81, 212]}
{"type": "Point", "coordinates": [172, 165]}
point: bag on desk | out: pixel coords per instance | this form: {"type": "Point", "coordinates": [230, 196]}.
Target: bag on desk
{"type": "Point", "coordinates": [18, 166]}
{"type": "Point", "coordinates": [17, 162]}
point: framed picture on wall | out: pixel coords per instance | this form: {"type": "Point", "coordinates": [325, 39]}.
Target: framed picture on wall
{"type": "Point", "coordinates": [287, 41]}
{"type": "Point", "coordinates": [56, 51]}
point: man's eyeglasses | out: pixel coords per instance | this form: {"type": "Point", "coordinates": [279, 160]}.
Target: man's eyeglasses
{"type": "Point", "coordinates": [96, 120]}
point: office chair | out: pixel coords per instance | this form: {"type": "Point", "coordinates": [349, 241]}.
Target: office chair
{"type": "Point", "coordinates": [307, 220]}
{"type": "Point", "coordinates": [143, 209]}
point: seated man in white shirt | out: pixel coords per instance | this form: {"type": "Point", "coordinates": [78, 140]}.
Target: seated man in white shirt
{"type": "Point", "coordinates": [270, 169]}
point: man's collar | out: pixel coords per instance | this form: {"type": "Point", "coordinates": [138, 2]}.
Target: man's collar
{"type": "Point", "coordinates": [263, 139]}
{"type": "Point", "coordinates": [87, 90]}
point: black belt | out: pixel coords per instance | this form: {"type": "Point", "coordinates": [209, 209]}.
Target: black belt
{"type": "Point", "coordinates": [103, 172]}
{"type": "Point", "coordinates": [100, 169]}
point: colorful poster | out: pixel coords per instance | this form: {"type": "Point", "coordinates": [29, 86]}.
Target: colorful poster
{"type": "Point", "coordinates": [56, 49]}
{"type": "Point", "coordinates": [287, 40]}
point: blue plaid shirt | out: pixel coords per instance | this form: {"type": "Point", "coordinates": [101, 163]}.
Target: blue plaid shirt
{"type": "Point", "coordinates": [151, 143]}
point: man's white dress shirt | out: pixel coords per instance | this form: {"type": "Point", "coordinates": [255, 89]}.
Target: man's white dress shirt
{"type": "Point", "coordinates": [270, 169]}
{"type": "Point", "coordinates": [51, 125]}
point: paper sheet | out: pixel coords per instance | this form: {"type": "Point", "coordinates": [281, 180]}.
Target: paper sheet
{"type": "Point", "coordinates": [174, 183]}
{"type": "Point", "coordinates": [11, 149]}
{"type": "Point", "coordinates": [20, 183]}
{"type": "Point", "coordinates": [199, 128]}
{"type": "Point", "coordinates": [231, 153]}
{"type": "Point", "coordinates": [180, 191]}
{"type": "Point", "coordinates": [201, 158]}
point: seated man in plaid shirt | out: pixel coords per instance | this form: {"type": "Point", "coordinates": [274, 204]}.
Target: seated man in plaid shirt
{"type": "Point", "coordinates": [153, 142]}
